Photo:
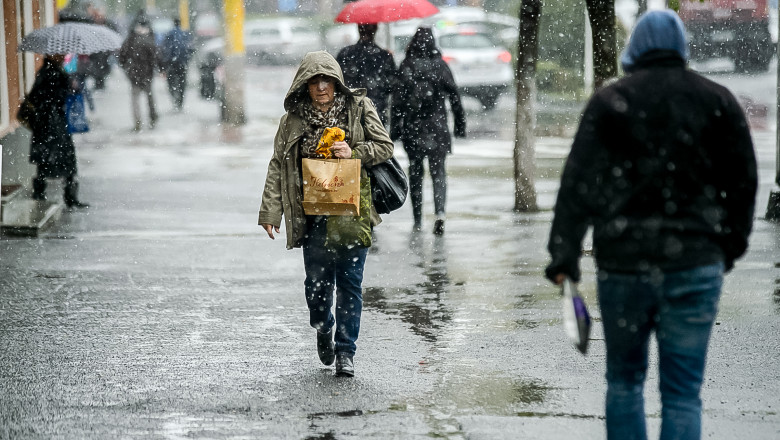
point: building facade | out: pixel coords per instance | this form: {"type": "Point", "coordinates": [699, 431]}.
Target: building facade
{"type": "Point", "coordinates": [17, 73]}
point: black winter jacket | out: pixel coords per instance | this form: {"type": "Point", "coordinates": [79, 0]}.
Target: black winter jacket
{"type": "Point", "coordinates": [424, 132]}
{"type": "Point", "coordinates": [368, 66]}
{"type": "Point", "coordinates": [663, 168]}
{"type": "Point", "coordinates": [51, 146]}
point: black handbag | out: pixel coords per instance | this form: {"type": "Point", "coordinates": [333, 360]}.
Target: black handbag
{"type": "Point", "coordinates": [389, 186]}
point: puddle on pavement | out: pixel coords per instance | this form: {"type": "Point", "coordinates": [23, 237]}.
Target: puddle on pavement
{"type": "Point", "coordinates": [494, 394]}
{"type": "Point", "coordinates": [326, 436]}
{"type": "Point", "coordinates": [323, 415]}
{"type": "Point", "coordinates": [542, 415]}
{"type": "Point", "coordinates": [327, 415]}
{"type": "Point", "coordinates": [776, 297]}
{"type": "Point", "coordinates": [424, 312]}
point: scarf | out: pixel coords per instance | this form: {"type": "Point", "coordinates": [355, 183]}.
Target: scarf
{"type": "Point", "coordinates": [317, 121]}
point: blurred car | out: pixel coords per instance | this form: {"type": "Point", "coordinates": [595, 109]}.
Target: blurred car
{"type": "Point", "coordinates": [279, 41]}
{"type": "Point", "coordinates": [481, 66]}
{"type": "Point", "coordinates": [206, 25]}
{"type": "Point", "coordinates": [161, 25]}
{"type": "Point", "coordinates": [504, 28]}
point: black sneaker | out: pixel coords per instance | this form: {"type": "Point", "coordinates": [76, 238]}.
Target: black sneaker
{"type": "Point", "coordinates": [325, 348]}
{"type": "Point", "coordinates": [344, 366]}
{"type": "Point", "coordinates": [438, 227]}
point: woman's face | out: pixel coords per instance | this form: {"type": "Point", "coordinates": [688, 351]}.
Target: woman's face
{"type": "Point", "coordinates": [322, 90]}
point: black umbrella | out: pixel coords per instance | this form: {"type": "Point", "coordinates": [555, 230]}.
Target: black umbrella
{"type": "Point", "coordinates": [71, 37]}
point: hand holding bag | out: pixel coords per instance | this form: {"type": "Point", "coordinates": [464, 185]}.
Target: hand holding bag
{"type": "Point", "coordinates": [389, 186]}
{"type": "Point", "coordinates": [331, 186]}
{"type": "Point", "coordinates": [576, 320]}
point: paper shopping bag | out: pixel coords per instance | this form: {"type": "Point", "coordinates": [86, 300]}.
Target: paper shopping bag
{"type": "Point", "coordinates": [331, 186]}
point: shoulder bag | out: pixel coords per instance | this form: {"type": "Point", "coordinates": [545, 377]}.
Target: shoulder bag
{"type": "Point", "coordinates": [389, 186]}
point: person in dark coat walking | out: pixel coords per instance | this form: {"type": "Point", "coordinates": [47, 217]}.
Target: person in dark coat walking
{"type": "Point", "coordinates": [52, 148]}
{"type": "Point", "coordinates": [176, 52]}
{"type": "Point", "coordinates": [139, 57]}
{"type": "Point", "coordinates": [419, 119]}
{"type": "Point", "coordinates": [663, 168]}
{"type": "Point", "coordinates": [368, 66]}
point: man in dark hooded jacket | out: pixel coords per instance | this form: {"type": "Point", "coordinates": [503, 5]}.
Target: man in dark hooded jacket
{"type": "Point", "coordinates": [663, 168]}
{"type": "Point", "coordinates": [368, 66]}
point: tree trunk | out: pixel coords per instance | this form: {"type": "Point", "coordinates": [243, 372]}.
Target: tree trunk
{"type": "Point", "coordinates": [525, 119]}
{"type": "Point", "coordinates": [602, 20]}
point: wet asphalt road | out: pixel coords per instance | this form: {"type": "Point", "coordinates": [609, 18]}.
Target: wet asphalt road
{"type": "Point", "coordinates": [164, 311]}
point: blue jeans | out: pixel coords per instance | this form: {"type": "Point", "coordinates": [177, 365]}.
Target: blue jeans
{"type": "Point", "coordinates": [681, 308]}
{"type": "Point", "coordinates": [329, 269]}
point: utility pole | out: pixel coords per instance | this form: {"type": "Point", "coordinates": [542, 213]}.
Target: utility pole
{"type": "Point", "coordinates": [233, 101]}
{"type": "Point", "coordinates": [184, 14]}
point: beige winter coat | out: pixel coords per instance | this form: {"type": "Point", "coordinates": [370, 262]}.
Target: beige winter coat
{"type": "Point", "coordinates": [283, 193]}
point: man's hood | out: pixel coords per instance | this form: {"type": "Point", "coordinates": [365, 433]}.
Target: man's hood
{"type": "Point", "coordinates": [313, 64]}
{"type": "Point", "coordinates": [660, 30]}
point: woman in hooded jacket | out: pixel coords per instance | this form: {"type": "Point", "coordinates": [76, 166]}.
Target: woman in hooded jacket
{"type": "Point", "coordinates": [419, 119]}
{"type": "Point", "coordinates": [334, 247]}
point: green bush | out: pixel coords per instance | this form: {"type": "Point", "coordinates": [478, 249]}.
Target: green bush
{"type": "Point", "coordinates": [552, 78]}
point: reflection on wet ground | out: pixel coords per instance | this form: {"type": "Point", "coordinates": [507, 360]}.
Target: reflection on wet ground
{"type": "Point", "coordinates": [422, 305]}
{"type": "Point", "coordinates": [776, 296]}
{"type": "Point", "coordinates": [450, 298]}
{"type": "Point", "coordinates": [327, 436]}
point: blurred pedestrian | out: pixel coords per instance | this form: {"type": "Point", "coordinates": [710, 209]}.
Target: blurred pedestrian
{"type": "Point", "coordinates": [51, 148]}
{"type": "Point", "coordinates": [663, 168]}
{"type": "Point", "coordinates": [366, 65]}
{"type": "Point", "coordinates": [334, 251]}
{"type": "Point", "coordinates": [419, 119]}
{"type": "Point", "coordinates": [99, 65]}
{"type": "Point", "coordinates": [139, 57]}
{"type": "Point", "coordinates": [176, 52]}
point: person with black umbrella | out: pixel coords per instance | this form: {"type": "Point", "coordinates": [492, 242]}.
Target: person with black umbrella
{"type": "Point", "coordinates": [52, 149]}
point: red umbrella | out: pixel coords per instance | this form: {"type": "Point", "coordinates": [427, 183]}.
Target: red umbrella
{"type": "Point", "coordinates": [385, 11]}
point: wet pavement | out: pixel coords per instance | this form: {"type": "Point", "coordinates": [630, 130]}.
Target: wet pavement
{"type": "Point", "coordinates": [164, 311]}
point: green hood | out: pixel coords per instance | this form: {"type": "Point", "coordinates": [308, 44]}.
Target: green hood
{"type": "Point", "coordinates": [313, 64]}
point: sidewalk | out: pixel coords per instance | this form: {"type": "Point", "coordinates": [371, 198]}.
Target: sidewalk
{"type": "Point", "coordinates": [163, 311]}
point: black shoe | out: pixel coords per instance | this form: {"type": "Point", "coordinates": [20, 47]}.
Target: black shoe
{"type": "Point", "coordinates": [344, 366]}
{"type": "Point", "coordinates": [77, 205]}
{"type": "Point", "coordinates": [39, 196]}
{"type": "Point", "coordinates": [438, 227]}
{"type": "Point", "coordinates": [325, 348]}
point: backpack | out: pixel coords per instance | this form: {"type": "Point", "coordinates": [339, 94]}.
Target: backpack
{"type": "Point", "coordinates": [421, 96]}
{"type": "Point", "coordinates": [177, 48]}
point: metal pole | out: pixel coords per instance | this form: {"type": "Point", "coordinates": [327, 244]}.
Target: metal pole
{"type": "Point", "coordinates": [233, 100]}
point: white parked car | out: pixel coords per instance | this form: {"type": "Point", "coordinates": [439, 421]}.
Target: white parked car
{"type": "Point", "coordinates": [482, 67]}
{"type": "Point", "coordinates": [280, 41]}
